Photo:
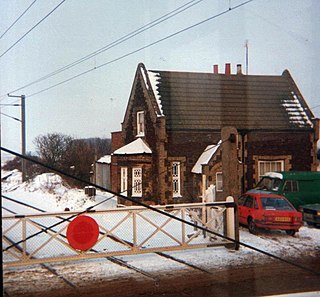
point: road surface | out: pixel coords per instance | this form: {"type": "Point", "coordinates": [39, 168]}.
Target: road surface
{"type": "Point", "coordinates": [272, 278]}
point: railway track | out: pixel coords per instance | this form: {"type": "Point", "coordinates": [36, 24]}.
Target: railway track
{"type": "Point", "coordinates": [115, 260]}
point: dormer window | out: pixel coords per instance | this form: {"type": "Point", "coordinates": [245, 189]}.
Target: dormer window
{"type": "Point", "coordinates": [140, 123]}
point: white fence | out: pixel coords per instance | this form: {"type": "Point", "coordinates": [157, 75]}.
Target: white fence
{"type": "Point", "coordinates": [122, 231]}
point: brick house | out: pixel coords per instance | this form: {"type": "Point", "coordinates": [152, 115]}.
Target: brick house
{"type": "Point", "coordinates": [171, 147]}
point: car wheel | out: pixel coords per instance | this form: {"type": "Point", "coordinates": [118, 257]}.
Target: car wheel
{"type": "Point", "coordinates": [252, 226]}
{"type": "Point", "coordinates": [291, 232]}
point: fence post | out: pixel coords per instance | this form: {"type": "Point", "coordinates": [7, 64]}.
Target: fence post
{"type": "Point", "coordinates": [231, 223]}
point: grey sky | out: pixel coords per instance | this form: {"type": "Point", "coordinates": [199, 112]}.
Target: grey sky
{"type": "Point", "coordinates": [282, 34]}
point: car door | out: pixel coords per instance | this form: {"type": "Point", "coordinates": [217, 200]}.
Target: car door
{"type": "Point", "coordinates": [241, 203]}
{"type": "Point", "coordinates": [247, 209]}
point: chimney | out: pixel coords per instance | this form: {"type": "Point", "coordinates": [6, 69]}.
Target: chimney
{"type": "Point", "coordinates": [239, 69]}
{"type": "Point", "coordinates": [228, 69]}
{"type": "Point", "coordinates": [216, 69]}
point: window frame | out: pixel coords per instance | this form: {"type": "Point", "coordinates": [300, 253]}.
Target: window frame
{"type": "Point", "coordinates": [136, 182]}
{"type": "Point", "coordinates": [124, 180]}
{"type": "Point", "coordinates": [271, 163]}
{"type": "Point", "coordinates": [140, 123]}
{"type": "Point", "coordinates": [176, 178]}
{"type": "Point", "coordinates": [219, 182]}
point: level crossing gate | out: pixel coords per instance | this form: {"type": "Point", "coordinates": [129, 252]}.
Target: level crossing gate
{"type": "Point", "coordinates": [43, 238]}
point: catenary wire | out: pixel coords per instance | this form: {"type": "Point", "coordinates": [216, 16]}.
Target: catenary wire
{"type": "Point", "coordinates": [17, 19]}
{"type": "Point", "coordinates": [138, 202]}
{"type": "Point", "coordinates": [9, 116]}
{"type": "Point", "coordinates": [141, 48]}
{"type": "Point", "coordinates": [115, 43]}
{"type": "Point", "coordinates": [314, 107]}
{"type": "Point", "coordinates": [36, 25]}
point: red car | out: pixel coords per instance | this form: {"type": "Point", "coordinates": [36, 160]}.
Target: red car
{"type": "Point", "coordinates": [270, 211]}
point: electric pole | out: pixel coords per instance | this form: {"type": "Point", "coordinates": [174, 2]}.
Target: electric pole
{"type": "Point", "coordinates": [23, 133]}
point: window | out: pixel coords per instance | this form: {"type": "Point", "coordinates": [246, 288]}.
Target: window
{"type": "Point", "coordinates": [276, 203]}
{"type": "Point", "coordinates": [249, 202]}
{"type": "Point", "coordinates": [219, 183]}
{"type": "Point", "coordinates": [176, 179]}
{"type": "Point", "coordinates": [124, 181]}
{"type": "Point", "coordinates": [242, 200]}
{"type": "Point", "coordinates": [291, 186]}
{"type": "Point", "coordinates": [140, 123]}
{"type": "Point", "coordinates": [268, 166]}
{"type": "Point", "coordinates": [137, 182]}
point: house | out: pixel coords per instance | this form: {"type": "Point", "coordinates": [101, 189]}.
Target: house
{"type": "Point", "coordinates": [184, 132]}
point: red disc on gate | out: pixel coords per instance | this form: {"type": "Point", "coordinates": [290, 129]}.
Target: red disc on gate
{"type": "Point", "coordinates": [82, 233]}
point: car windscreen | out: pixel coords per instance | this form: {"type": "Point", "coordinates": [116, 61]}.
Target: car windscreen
{"type": "Point", "coordinates": [269, 184]}
{"type": "Point", "coordinates": [269, 203]}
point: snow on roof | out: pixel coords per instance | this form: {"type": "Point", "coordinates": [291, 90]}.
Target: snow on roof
{"type": "Point", "coordinates": [205, 157]}
{"type": "Point", "coordinates": [154, 77]}
{"type": "Point", "coordinates": [142, 68]}
{"type": "Point", "coordinates": [274, 175]}
{"type": "Point", "coordinates": [137, 146]}
{"type": "Point", "coordinates": [105, 159]}
{"type": "Point", "coordinates": [151, 79]}
{"type": "Point", "coordinates": [297, 114]}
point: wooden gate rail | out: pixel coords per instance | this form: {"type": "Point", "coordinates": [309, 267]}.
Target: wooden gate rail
{"type": "Point", "coordinates": [122, 231]}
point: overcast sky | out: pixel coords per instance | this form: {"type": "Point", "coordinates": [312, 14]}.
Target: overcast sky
{"type": "Point", "coordinates": [281, 34]}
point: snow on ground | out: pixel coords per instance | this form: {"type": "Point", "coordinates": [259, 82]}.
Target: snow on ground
{"type": "Point", "coordinates": [48, 192]}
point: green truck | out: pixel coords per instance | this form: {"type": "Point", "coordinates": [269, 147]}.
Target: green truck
{"type": "Point", "coordinates": [301, 188]}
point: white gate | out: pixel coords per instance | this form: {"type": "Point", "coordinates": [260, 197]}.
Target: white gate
{"type": "Point", "coordinates": [41, 238]}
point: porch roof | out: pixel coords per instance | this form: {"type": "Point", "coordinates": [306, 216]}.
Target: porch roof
{"type": "Point", "coordinates": [205, 157]}
{"type": "Point", "coordinates": [137, 146]}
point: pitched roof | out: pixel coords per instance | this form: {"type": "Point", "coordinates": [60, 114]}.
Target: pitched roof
{"type": "Point", "coordinates": [205, 157]}
{"type": "Point", "coordinates": [105, 159]}
{"type": "Point", "coordinates": [208, 101]}
{"type": "Point", "coordinates": [137, 146]}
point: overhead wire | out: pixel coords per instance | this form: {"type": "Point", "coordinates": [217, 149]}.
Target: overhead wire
{"type": "Point", "coordinates": [7, 30]}
{"type": "Point", "coordinates": [11, 117]}
{"type": "Point", "coordinates": [116, 42]}
{"type": "Point", "coordinates": [36, 25]}
{"type": "Point", "coordinates": [135, 51]}
{"type": "Point", "coordinates": [150, 207]}
{"type": "Point", "coordinates": [314, 107]}
{"type": "Point", "coordinates": [141, 48]}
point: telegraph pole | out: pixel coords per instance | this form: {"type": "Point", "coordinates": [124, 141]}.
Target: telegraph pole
{"type": "Point", "coordinates": [23, 133]}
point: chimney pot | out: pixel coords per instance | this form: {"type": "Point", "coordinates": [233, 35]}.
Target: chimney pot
{"type": "Point", "coordinates": [228, 69]}
{"type": "Point", "coordinates": [216, 69]}
{"type": "Point", "coordinates": [239, 69]}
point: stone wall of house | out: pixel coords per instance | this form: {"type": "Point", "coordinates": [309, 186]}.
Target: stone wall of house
{"type": "Point", "coordinates": [150, 164]}
{"type": "Point", "coordinates": [130, 161]}
{"type": "Point", "coordinates": [292, 147]}
{"type": "Point", "coordinates": [188, 145]}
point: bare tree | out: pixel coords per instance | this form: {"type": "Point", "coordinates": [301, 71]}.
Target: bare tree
{"type": "Point", "coordinates": [54, 149]}
{"type": "Point", "coordinates": [74, 156]}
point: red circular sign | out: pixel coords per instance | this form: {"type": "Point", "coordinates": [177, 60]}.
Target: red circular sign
{"type": "Point", "coordinates": [82, 233]}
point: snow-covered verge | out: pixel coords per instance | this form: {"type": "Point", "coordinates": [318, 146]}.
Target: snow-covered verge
{"type": "Point", "coordinates": [48, 192]}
